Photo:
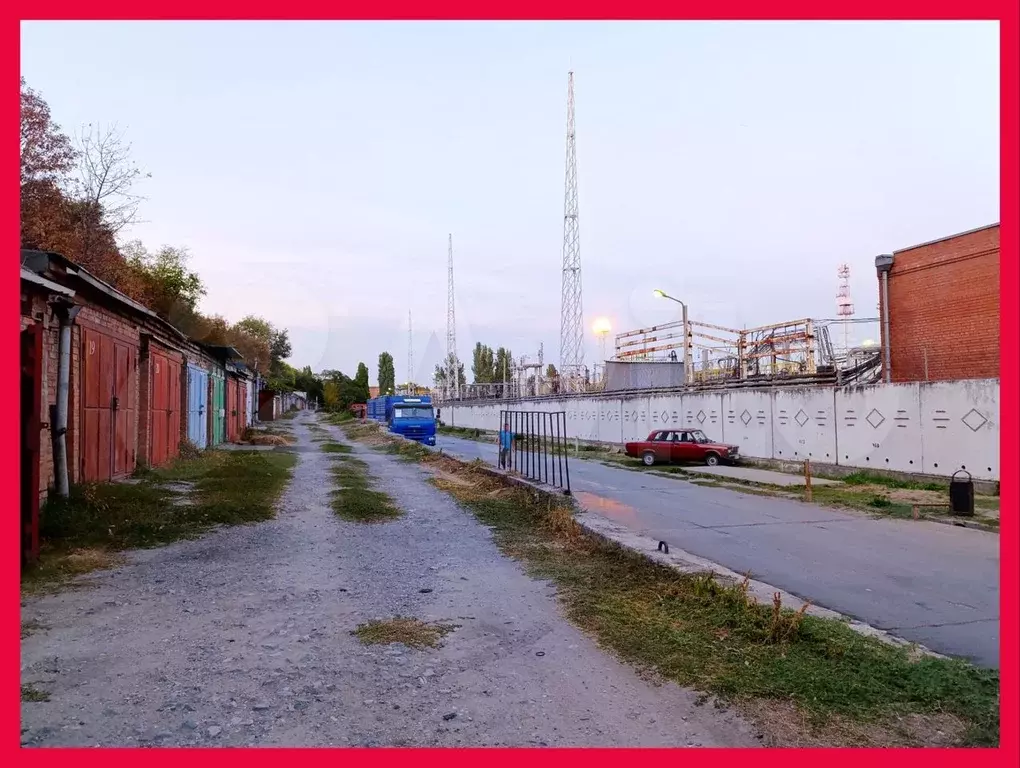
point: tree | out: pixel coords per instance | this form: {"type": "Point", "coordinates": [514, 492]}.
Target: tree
{"type": "Point", "coordinates": [107, 176]}
{"type": "Point", "coordinates": [387, 374]}
{"type": "Point", "coordinates": [162, 280]}
{"type": "Point", "coordinates": [503, 365]}
{"type": "Point", "coordinates": [361, 382]}
{"type": "Point", "coordinates": [440, 372]}
{"type": "Point", "coordinates": [483, 364]}
{"type": "Point", "coordinates": [554, 378]}
{"type": "Point", "coordinates": [47, 155]}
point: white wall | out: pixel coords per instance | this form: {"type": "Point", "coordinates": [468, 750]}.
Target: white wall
{"type": "Point", "coordinates": [932, 429]}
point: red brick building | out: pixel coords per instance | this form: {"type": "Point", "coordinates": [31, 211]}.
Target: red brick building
{"type": "Point", "coordinates": [128, 383]}
{"type": "Point", "coordinates": [943, 308]}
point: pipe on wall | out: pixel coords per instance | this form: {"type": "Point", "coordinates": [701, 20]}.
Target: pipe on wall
{"type": "Point", "coordinates": [65, 312]}
{"type": "Point", "coordinates": [883, 264]}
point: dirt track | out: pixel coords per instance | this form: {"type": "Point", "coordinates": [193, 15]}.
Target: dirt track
{"type": "Point", "coordinates": [243, 638]}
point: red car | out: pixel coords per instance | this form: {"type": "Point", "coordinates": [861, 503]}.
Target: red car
{"type": "Point", "coordinates": [666, 445]}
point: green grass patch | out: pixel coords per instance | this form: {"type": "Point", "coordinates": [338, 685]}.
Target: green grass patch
{"type": "Point", "coordinates": [81, 533]}
{"type": "Point", "coordinates": [717, 639]}
{"type": "Point", "coordinates": [410, 632]}
{"type": "Point", "coordinates": [31, 693]}
{"type": "Point", "coordinates": [353, 498]}
{"type": "Point", "coordinates": [332, 446]}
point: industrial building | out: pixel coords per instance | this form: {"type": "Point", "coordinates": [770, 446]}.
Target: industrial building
{"type": "Point", "coordinates": [939, 305]}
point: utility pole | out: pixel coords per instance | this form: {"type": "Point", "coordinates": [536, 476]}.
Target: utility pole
{"type": "Point", "coordinates": [571, 310]}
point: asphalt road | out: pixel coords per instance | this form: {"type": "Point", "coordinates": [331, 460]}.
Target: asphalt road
{"type": "Point", "coordinates": [933, 584]}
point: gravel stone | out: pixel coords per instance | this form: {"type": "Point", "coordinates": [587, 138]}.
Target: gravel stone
{"type": "Point", "coordinates": [285, 595]}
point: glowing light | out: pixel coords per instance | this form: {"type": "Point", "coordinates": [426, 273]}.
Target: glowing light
{"type": "Point", "coordinates": [602, 326]}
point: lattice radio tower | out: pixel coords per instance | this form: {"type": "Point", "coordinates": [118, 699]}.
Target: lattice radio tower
{"type": "Point", "coordinates": [571, 311]}
{"type": "Point", "coordinates": [410, 354]}
{"type": "Point", "coordinates": [452, 379]}
{"type": "Point", "coordinates": [844, 304]}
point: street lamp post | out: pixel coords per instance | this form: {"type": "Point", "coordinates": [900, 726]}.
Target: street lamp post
{"type": "Point", "coordinates": [688, 373]}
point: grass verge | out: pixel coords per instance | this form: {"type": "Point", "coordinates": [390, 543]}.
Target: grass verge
{"type": "Point", "coordinates": [410, 632]}
{"type": "Point", "coordinates": [812, 680]}
{"type": "Point", "coordinates": [85, 531]}
{"type": "Point", "coordinates": [354, 500]}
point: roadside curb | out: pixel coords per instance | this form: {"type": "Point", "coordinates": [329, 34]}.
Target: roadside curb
{"type": "Point", "coordinates": [688, 563]}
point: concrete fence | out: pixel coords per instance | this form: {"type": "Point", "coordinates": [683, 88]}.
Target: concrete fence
{"type": "Point", "coordinates": [929, 428]}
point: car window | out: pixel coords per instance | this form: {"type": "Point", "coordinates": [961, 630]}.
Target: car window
{"type": "Point", "coordinates": [682, 437]}
{"type": "Point", "coordinates": [659, 437]}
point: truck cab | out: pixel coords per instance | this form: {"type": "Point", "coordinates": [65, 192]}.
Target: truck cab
{"type": "Point", "coordinates": [413, 418]}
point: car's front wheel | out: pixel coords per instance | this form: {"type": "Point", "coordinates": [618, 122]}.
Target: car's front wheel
{"type": "Point", "coordinates": [648, 458]}
{"type": "Point", "coordinates": [712, 460]}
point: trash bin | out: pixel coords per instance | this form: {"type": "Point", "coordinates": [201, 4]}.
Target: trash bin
{"type": "Point", "coordinates": [961, 494]}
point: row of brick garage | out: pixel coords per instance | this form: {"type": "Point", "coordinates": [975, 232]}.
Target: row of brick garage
{"type": "Point", "coordinates": [108, 386]}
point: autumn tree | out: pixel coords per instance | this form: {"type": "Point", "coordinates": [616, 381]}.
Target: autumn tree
{"type": "Point", "coordinates": [387, 374]}
{"type": "Point", "coordinates": [47, 158]}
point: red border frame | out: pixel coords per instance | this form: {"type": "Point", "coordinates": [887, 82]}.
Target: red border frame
{"type": "Point", "coordinates": [1006, 11]}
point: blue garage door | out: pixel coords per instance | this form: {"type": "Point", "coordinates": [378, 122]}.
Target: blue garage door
{"type": "Point", "coordinates": [198, 394]}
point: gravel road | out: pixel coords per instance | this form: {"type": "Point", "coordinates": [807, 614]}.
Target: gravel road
{"type": "Point", "coordinates": [242, 638]}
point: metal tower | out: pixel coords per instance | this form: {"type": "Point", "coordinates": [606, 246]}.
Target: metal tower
{"type": "Point", "coordinates": [410, 353]}
{"type": "Point", "coordinates": [452, 380]}
{"type": "Point", "coordinates": [844, 305]}
{"type": "Point", "coordinates": [571, 311]}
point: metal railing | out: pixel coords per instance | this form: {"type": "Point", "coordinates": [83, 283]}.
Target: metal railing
{"type": "Point", "coordinates": [539, 449]}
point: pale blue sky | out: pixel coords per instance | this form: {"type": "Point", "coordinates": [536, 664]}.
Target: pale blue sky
{"type": "Point", "coordinates": [315, 169]}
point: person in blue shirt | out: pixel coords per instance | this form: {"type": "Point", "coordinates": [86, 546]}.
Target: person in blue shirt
{"type": "Point", "coordinates": [506, 441]}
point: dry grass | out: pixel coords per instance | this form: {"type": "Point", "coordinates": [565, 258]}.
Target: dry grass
{"type": "Point", "coordinates": [58, 566]}
{"type": "Point", "coordinates": [806, 680]}
{"type": "Point", "coordinates": [30, 693]}
{"type": "Point", "coordinates": [410, 632]}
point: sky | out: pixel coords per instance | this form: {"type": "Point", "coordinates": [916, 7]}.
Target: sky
{"type": "Point", "coordinates": [315, 170]}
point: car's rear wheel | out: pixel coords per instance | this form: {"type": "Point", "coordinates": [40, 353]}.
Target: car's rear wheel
{"type": "Point", "coordinates": [712, 460]}
{"type": "Point", "coordinates": [648, 458]}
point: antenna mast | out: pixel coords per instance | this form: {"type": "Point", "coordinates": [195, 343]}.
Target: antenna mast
{"type": "Point", "coordinates": [452, 379]}
{"type": "Point", "coordinates": [410, 353]}
{"type": "Point", "coordinates": [844, 305]}
{"type": "Point", "coordinates": [571, 312]}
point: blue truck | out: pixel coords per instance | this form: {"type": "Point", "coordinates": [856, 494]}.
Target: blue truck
{"type": "Point", "coordinates": [411, 416]}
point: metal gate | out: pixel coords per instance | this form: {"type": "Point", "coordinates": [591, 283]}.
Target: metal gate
{"type": "Point", "coordinates": [31, 426]}
{"type": "Point", "coordinates": [198, 395]}
{"type": "Point", "coordinates": [164, 409]}
{"type": "Point", "coordinates": [108, 410]}
{"type": "Point", "coordinates": [218, 408]}
{"type": "Point", "coordinates": [538, 450]}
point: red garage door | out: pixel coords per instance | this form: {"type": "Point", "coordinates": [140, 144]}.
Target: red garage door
{"type": "Point", "coordinates": [164, 409]}
{"type": "Point", "coordinates": [108, 412]}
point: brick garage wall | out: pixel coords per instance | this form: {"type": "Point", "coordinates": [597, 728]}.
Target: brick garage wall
{"type": "Point", "coordinates": [39, 312]}
{"type": "Point", "coordinates": [944, 309]}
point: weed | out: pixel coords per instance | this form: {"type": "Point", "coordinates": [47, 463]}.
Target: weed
{"type": "Point", "coordinates": [31, 693]}
{"type": "Point", "coordinates": [716, 638]}
{"type": "Point", "coordinates": [410, 632]}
